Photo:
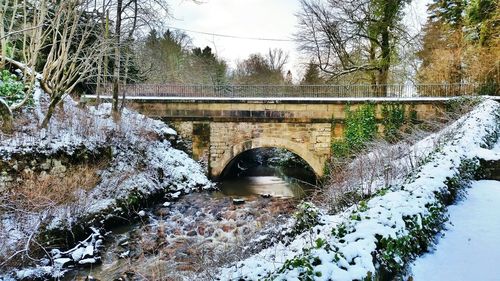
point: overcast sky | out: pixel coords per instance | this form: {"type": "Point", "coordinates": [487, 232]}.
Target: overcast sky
{"type": "Point", "coordinates": [274, 19]}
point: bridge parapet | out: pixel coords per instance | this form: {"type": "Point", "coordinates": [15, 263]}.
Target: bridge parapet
{"type": "Point", "coordinates": [291, 91]}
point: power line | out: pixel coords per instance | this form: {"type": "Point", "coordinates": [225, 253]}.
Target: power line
{"type": "Point", "coordinates": [232, 36]}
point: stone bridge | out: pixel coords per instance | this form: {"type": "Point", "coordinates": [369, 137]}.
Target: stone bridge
{"type": "Point", "coordinates": [219, 129]}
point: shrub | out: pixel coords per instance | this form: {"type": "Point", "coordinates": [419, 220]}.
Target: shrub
{"type": "Point", "coordinates": [11, 88]}
{"type": "Point", "coordinates": [307, 216]}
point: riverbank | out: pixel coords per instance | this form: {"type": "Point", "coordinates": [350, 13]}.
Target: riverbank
{"type": "Point", "coordinates": [377, 237]}
{"type": "Point", "coordinates": [139, 165]}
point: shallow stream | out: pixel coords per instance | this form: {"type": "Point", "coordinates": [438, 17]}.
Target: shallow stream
{"type": "Point", "coordinates": [200, 230]}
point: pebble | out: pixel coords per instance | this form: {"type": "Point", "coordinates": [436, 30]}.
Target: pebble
{"type": "Point", "coordinates": [238, 201]}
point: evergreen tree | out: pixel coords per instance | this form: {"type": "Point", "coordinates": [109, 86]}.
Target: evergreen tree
{"type": "Point", "coordinates": [461, 43]}
{"type": "Point", "coordinates": [208, 68]}
{"type": "Point", "coordinates": [312, 77]}
{"type": "Point", "coordinates": [450, 12]}
{"type": "Point", "coordinates": [442, 50]}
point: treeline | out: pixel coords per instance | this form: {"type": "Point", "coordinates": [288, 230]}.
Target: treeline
{"type": "Point", "coordinates": [368, 42]}
{"type": "Point", "coordinates": [76, 42]}
{"type": "Point", "coordinates": [170, 57]}
{"type": "Point", "coordinates": [461, 43]}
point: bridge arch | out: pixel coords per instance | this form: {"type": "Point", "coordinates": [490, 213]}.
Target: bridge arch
{"type": "Point", "coordinates": [316, 163]}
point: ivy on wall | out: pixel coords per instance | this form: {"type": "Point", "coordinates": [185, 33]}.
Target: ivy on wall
{"type": "Point", "coordinates": [361, 126]}
{"type": "Point", "coordinates": [393, 118]}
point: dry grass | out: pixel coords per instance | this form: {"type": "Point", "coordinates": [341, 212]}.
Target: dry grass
{"type": "Point", "coordinates": [26, 204]}
{"type": "Point", "coordinates": [36, 191]}
{"type": "Point", "coordinates": [353, 180]}
{"type": "Point", "coordinates": [383, 164]}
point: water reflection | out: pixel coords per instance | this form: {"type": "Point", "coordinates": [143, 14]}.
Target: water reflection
{"type": "Point", "coordinates": [262, 181]}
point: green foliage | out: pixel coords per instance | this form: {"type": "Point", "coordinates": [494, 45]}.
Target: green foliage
{"type": "Point", "coordinates": [382, 191]}
{"type": "Point", "coordinates": [11, 88]}
{"type": "Point", "coordinates": [457, 104]}
{"type": "Point", "coordinates": [480, 10]}
{"type": "Point", "coordinates": [170, 58]}
{"type": "Point", "coordinates": [360, 127]}
{"type": "Point", "coordinates": [320, 243]}
{"type": "Point", "coordinates": [393, 118]}
{"type": "Point", "coordinates": [363, 206]}
{"type": "Point", "coordinates": [490, 88]}
{"type": "Point", "coordinates": [449, 12]}
{"type": "Point", "coordinates": [209, 66]}
{"type": "Point", "coordinates": [457, 184]}
{"type": "Point", "coordinates": [413, 115]}
{"type": "Point", "coordinates": [460, 44]}
{"type": "Point", "coordinates": [306, 263]}
{"type": "Point", "coordinates": [394, 253]}
{"type": "Point", "coordinates": [340, 231]}
{"type": "Point", "coordinates": [340, 148]}
{"type": "Point", "coordinates": [303, 263]}
{"type": "Point", "coordinates": [307, 216]}
{"type": "Point", "coordinates": [312, 75]}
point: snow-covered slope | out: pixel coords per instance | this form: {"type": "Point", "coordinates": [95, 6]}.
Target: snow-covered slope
{"type": "Point", "coordinates": [470, 248]}
{"type": "Point", "coordinates": [353, 244]}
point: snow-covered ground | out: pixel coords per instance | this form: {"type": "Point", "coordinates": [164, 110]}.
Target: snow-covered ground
{"type": "Point", "coordinates": [470, 248]}
{"type": "Point", "coordinates": [143, 163]}
{"type": "Point", "coordinates": [343, 247]}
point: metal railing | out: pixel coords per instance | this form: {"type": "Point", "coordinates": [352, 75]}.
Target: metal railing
{"type": "Point", "coordinates": [290, 91]}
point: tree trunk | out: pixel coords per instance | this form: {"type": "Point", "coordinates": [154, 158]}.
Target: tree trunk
{"type": "Point", "coordinates": [50, 112]}
{"type": "Point", "coordinates": [116, 70]}
{"type": "Point", "coordinates": [5, 117]}
{"type": "Point", "coordinates": [373, 76]}
{"type": "Point", "coordinates": [3, 40]}
{"type": "Point", "coordinates": [127, 58]}
{"type": "Point", "coordinates": [385, 62]}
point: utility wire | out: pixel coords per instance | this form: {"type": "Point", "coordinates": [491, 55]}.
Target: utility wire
{"type": "Point", "coordinates": [231, 36]}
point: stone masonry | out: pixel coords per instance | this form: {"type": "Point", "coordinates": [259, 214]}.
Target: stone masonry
{"type": "Point", "coordinates": [218, 130]}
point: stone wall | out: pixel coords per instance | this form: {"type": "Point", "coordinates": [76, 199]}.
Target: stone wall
{"type": "Point", "coordinates": [218, 130]}
{"type": "Point", "coordinates": [309, 141]}
{"type": "Point", "coordinates": [57, 164]}
{"type": "Point", "coordinates": [308, 111]}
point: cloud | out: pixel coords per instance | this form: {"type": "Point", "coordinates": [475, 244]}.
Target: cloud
{"type": "Point", "coordinates": [244, 18]}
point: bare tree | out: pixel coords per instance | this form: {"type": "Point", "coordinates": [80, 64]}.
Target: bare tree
{"type": "Point", "coordinates": [116, 69]}
{"type": "Point", "coordinates": [355, 37]}
{"type": "Point", "coordinates": [21, 22]}
{"type": "Point", "coordinates": [129, 17]}
{"type": "Point", "coordinates": [74, 48]}
{"type": "Point", "coordinates": [277, 58]}
{"type": "Point", "coordinates": [262, 69]}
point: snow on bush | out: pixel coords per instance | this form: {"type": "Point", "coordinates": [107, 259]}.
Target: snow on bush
{"type": "Point", "coordinates": [143, 164]}
{"type": "Point", "coordinates": [380, 235]}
